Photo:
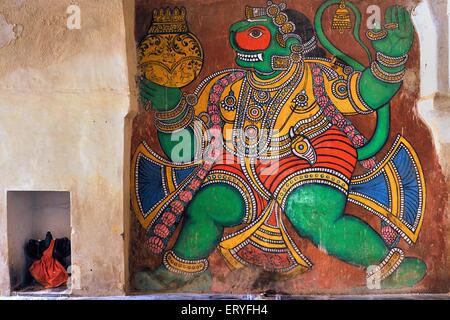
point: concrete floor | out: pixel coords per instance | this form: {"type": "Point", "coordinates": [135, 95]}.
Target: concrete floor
{"type": "Point", "coordinates": [235, 297]}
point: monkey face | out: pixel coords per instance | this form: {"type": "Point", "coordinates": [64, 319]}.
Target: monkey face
{"type": "Point", "coordinates": [256, 42]}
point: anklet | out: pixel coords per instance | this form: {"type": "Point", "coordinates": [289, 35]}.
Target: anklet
{"type": "Point", "coordinates": [389, 264]}
{"type": "Point", "coordinates": [185, 267]}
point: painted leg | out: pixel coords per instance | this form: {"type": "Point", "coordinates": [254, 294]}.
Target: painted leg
{"type": "Point", "coordinates": [317, 213]}
{"type": "Point", "coordinates": [213, 209]}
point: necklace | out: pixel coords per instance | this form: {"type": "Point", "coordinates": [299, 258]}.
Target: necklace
{"type": "Point", "coordinates": [271, 85]}
{"type": "Point", "coordinates": [249, 140]}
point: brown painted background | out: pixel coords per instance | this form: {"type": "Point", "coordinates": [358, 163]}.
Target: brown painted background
{"type": "Point", "coordinates": [209, 20]}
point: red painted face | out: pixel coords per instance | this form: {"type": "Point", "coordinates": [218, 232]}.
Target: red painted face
{"type": "Point", "coordinates": [254, 38]}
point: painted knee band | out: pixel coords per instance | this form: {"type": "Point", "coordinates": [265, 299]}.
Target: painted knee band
{"type": "Point", "coordinates": [311, 176]}
{"type": "Point", "coordinates": [185, 267]}
{"type": "Point", "coordinates": [388, 265]}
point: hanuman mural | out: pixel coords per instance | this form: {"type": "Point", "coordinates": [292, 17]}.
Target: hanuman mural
{"type": "Point", "coordinates": [273, 138]}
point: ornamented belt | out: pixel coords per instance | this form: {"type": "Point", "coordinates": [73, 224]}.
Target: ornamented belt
{"type": "Point", "coordinates": [307, 128]}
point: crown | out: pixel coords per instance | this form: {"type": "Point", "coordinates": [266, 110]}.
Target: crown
{"type": "Point", "coordinates": [286, 28]}
{"type": "Point", "coordinates": [274, 11]}
{"type": "Point", "coordinates": [169, 21]}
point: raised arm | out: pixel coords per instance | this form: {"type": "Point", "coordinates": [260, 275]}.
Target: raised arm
{"type": "Point", "coordinates": [381, 81]}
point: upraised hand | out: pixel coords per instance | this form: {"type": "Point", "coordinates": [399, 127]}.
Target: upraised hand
{"type": "Point", "coordinates": [400, 33]}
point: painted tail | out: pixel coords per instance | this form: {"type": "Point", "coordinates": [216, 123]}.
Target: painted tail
{"type": "Point", "coordinates": [381, 134]}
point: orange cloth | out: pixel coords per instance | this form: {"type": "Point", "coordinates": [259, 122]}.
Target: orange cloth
{"type": "Point", "coordinates": [48, 271]}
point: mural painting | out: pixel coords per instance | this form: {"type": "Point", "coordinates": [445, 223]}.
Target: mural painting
{"type": "Point", "coordinates": [247, 163]}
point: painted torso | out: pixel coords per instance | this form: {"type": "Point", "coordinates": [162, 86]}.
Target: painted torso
{"type": "Point", "coordinates": [259, 116]}
{"type": "Point", "coordinates": [265, 111]}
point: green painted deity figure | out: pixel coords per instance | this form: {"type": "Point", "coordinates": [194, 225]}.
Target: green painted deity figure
{"type": "Point", "coordinates": [272, 140]}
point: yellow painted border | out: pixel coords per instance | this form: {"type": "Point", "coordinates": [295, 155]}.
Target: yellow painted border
{"type": "Point", "coordinates": [256, 182]}
{"type": "Point", "coordinates": [270, 229]}
{"type": "Point", "coordinates": [300, 260]}
{"type": "Point", "coordinates": [269, 236]}
{"type": "Point", "coordinates": [267, 244]}
{"type": "Point", "coordinates": [394, 185]}
{"type": "Point", "coordinates": [231, 243]}
{"type": "Point", "coordinates": [227, 245]}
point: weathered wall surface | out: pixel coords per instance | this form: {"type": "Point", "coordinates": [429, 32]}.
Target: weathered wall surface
{"type": "Point", "coordinates": [432, 21]}
{"type": "Point", "coordinates": [64, 99]}
{"type": "Point", "coordinates": [420, 114]}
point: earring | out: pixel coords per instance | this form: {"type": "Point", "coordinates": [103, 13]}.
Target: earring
{"type": "Point", "coordinates": [280, 63]}
{"type": "Point", "coordinates": [284, 62]}
{"type": "Point", "coordinates": [280, 40]}
{"type": "Point", "coordinates": [296, 55]}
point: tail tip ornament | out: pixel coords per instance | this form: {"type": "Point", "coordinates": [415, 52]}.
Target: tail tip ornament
{"type": "Point", "coordinates": [341, 20]}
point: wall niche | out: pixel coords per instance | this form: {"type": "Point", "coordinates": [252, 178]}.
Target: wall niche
{"type": "Point", "coordinates": [31, 214]}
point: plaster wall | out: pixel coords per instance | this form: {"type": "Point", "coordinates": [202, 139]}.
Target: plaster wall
{"type": "Point", "coordinates": [20, 212]}
{"type": "Point", "coordinates": [64, 102]}
{"type": "Point", "coordinates": [431, 19]}
{"type": "Point", "coordinates": [50, 212]}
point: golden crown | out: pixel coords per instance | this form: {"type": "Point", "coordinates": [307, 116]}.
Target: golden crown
{"type": "Point", "coordinates": [274, 11]}
{"type": "Point", "coordinates": [169, 21]}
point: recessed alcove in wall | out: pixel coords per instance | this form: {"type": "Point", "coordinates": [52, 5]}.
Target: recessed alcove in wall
{"type": "Point", "coordinates": [31, 214]}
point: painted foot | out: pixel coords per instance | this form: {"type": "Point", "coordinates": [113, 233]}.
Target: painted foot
{"type": "Point", "coordinates": [162, 280]}
{"type": "Point", "coordinates": [408, 274]}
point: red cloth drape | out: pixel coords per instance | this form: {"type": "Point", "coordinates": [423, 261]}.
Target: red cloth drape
{"type": "Point", "coordinates": [48, 271]}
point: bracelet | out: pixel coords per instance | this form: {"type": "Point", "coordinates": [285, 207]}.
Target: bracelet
{"type": "Point", "coordinates": [181, 124]}
{"type": "Point", "coordinates": [391, 62]}
{"type": "Point", "coordinates": [374, 36]}
{"type": "Point", "coordinates": [384, 76]}
{"type": "Point", "coordinates": [174, 113]}
{"type": "Point", "coordinates": [391, 26]}
{"type": "Point", "coordinates": [192, 99]}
